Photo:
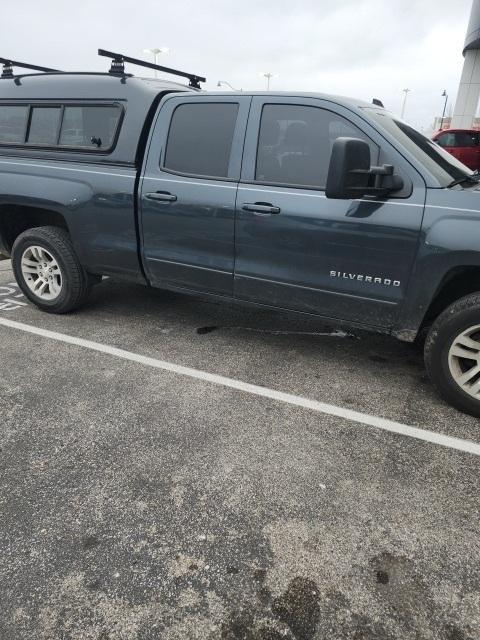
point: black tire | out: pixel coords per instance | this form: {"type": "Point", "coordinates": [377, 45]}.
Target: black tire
{"type": "Point", "coordinates": [75, 283]}
{"type": "Point", "coordinates": [457, 318]}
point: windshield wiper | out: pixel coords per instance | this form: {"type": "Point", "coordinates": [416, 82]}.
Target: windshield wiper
{"type": "Point", "coordinates": [474, 178]}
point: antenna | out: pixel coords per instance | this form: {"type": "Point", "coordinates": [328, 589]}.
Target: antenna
{"type": "Point", "coordinates": [118, 67]}
{"type": "Point", "coordinates": [8, 65]}
{"type": "Point", "coordinates": [377, 103]}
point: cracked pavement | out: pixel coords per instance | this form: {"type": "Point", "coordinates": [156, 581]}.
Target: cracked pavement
{"type": "Point", "coordinates": [137, 504]}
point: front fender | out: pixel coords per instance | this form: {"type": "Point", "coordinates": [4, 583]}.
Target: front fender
{"type": "Point", "coordinates": [449, 241]}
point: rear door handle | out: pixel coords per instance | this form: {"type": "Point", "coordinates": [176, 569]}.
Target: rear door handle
{"type": "Point", "coordinates": [163, 196]}
{"type": "Point", "coordinates": [260, 207]}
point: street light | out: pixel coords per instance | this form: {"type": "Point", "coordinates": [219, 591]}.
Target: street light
{"type": "Point", "coordinates": [444, 95]}
{"type": "Point", "coordinates": [155, 52]}
{"type": "Point", "coordinates": [268, 76]}
{"type": "Point", "coordinates": [224, 82]}
{"type": "Point", "coordinates": [406, 92]}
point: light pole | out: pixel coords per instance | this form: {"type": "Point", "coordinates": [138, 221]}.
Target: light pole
{"type": "Point", "coordinates": [444, 95]}
{"type": "Point", "coordinates": [222, 82]}
{"type": "Point", "coordinates": [155, 52]}
{"type": "Point", "coordinates": [268, 76]}
{"type": "Point", "coordinates": [406, 92]}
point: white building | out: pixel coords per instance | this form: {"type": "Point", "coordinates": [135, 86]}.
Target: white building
{"type": "Point", "coordinates": [469, 90]}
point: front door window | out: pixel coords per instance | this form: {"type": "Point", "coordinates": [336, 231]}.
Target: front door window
{"type": "Point", "coordinates": [295, 144]}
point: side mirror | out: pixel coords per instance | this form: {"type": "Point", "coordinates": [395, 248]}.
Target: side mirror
{"type": "Point", "coordinates": [350, 175]}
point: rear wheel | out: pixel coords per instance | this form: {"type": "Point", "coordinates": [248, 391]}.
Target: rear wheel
{"type": "Point", "coordinates": [452, 354]}
{"type": "Point", "coordinates": [48, 271]}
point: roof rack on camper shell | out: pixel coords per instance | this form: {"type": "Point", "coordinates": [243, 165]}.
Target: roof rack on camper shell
{"type": "Point", "coordinates": [118, 67]}
{"type": "Point", "coordinates": [8, 65]}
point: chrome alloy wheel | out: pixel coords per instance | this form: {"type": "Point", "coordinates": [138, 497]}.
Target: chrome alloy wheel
{"type": "Point", "coordinates": [41, 272]}
{"type": "Point", "coordinates": [464, 361]}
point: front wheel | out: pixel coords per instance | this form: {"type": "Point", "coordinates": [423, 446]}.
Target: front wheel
{"type": "Point", "coordinates": [452, 354]}
{"type": "Point", "coordinates": [48, 271]}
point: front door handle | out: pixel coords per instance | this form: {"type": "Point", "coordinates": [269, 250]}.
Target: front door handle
{"type": "Point", "coordinates": [163, 196]}
{"type": "Point", "coordinates": [260, 207]}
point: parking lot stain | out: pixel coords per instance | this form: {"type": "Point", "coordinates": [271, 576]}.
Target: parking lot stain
{"type": "Point", "coordinates": [260, 575]}
{"type": "Point", "coordinates": [276, 332]}
{"type": "Point", "coordinates": [338, 620]}
{"type": "Point", "coordinates": [90, 542]}
{"type": "Point", "coordinates": [454, 633]}
{"type": "Point", "coordinates": [294, 615]}
{"type": "Point", "coordinates": [202, 330]}
{"type": "Point", "coordinates": [241, 626]}
{"type": "Point", "coordinates": [383, 577]}
{"type": "Point", "coordinates": [94, 585]}
{"type": "Point", "coordinates": [299, 607]}
{"type": "Point", "coordinates": [232, 570]}
{"type": "Point", "coordinates": [270, 634]}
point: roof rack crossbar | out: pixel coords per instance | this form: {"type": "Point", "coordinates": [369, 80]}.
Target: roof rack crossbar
{"type": "Point", "coordinates": [118, 67]}
{"type": "Point", "coordinates": [8, 65]}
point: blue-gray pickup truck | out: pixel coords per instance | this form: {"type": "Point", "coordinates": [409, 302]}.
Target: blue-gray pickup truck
{"type": "Point", "coordinates": [301, 202]}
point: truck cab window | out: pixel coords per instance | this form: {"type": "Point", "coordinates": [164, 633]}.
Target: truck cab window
{"type": "Point", "coordinates": [44, 123]}
{"type": "Point", "coordinates": [200, 139]}
{"type": "Point", "coordinates": [13, 123]}
{"type": "Point", "coordinates": [295, 144]}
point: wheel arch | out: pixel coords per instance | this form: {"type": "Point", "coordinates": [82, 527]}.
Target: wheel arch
{"type": "Point", "coordinates": [458, 282]}
{"type": "Point", "coordinates": [14, 219]}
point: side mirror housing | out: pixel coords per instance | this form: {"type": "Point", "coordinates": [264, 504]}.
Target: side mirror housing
{"type": "Point", "coordinates": [351, 176]}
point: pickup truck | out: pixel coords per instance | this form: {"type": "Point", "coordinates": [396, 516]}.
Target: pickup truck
{"type": "Point", "coordinates": [301, 202]}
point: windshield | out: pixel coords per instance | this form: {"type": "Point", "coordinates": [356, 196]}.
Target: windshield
{"type": "Point", "coordinates": [439, 162]}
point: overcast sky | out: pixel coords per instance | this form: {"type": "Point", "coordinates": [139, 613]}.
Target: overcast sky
{"type": "Point", "coordinates": [361, 48]}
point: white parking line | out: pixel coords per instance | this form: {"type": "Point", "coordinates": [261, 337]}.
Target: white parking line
{"type": "Point", "coordinates": [10, 304]}
{"type": "Point", "coordinates": [299, 401]}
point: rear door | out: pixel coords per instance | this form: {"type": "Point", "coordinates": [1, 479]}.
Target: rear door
{"type": "Point", "coordinates": [296, 249]}
{"type": "Point", "coordinates": [188, 192]}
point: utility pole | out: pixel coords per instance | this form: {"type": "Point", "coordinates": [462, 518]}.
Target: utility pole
{"type": "Point", "coordinates": [155, 53]}
{"type": "Point", "coordinates": [444, 95]}
{"type": "Point", "coordinates": [406, 92]}
{"type": "Point", "coordinates": [268, 76]}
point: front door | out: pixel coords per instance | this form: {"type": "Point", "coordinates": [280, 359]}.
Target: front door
{"type": "Point", "coordinates": [295, 249]}
{"type": "Point", "coordinates": [188, 192]}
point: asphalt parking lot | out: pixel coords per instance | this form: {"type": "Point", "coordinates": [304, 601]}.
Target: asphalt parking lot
{"type": "Point", "coordinates": [139, 503]}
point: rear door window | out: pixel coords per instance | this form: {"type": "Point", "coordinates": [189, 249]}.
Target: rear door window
{"type": "Point", "coordinates": [200, 139]}
{"type": "Point", "coordinates": [13, 123]}
{"type": "Point", "coordinates": [44, 125]}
